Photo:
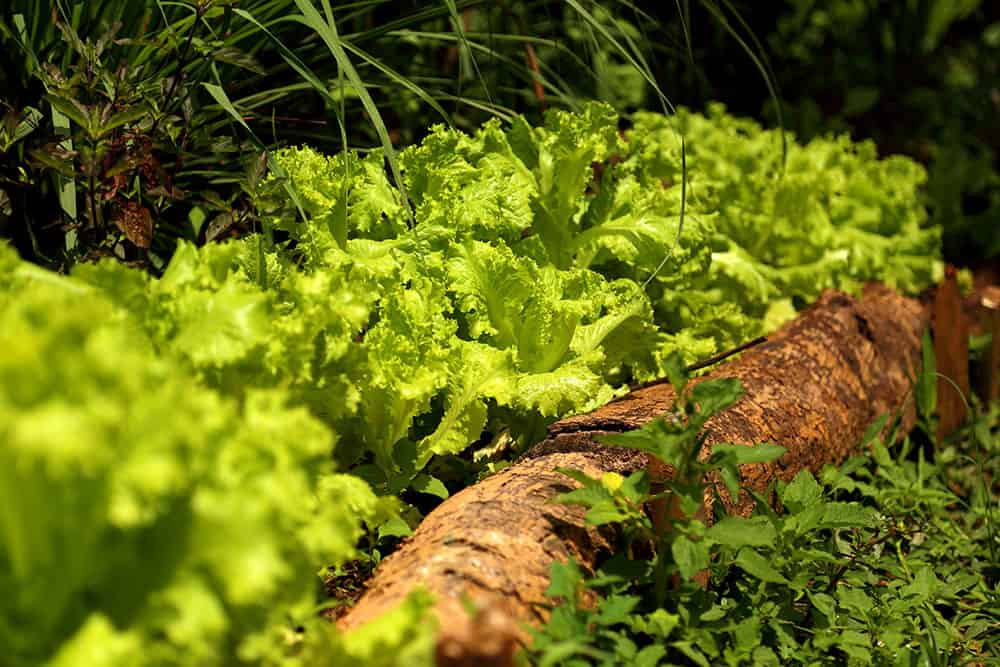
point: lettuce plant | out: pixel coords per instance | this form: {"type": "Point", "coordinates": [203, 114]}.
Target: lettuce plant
{"type": "Point", "coordinates": [546, 267]}
{"type": "Point", "coordinates": [147, 519]}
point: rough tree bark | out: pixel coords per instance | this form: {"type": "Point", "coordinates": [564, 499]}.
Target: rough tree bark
{"type": "Point", "coordinates": [951, 349]}
{"type": "Point", "coordinates": [813, 387]}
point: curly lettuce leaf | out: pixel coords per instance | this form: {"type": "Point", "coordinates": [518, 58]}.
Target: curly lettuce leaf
{"type": "Point", "coordinates": [560, 154]}
{"type": "Point", "coordinates": [195, 522]}
{"type": "Point", "coordinates": [343, 195]}
{"type": "Point", "coordinates": [833, 215]}
{"type": "Point", "coordinates": [471, 186]}
{"type": "Point", "coordinates": [631, 230]}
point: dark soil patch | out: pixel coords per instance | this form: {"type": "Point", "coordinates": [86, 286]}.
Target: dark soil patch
{"type": "Point", "coordinates": [345, 588]}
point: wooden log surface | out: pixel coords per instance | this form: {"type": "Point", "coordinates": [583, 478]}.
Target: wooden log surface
{"type": "Point", "coordinates": [814, 387]}
{"type": "Point", "coordinates": [983, 308]}
{"type": "Point", "coordinates": [951, 351]}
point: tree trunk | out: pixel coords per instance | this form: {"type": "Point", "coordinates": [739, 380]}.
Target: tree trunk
{"type": "Point", "coordinates": [813, 387]}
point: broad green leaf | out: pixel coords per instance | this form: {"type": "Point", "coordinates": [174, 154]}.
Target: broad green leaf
{"type": "Point", "coordinates": [692, 652]}
{"type": "Point", "coordinates": [806, 519]}
{"type": "Point", "coordinates": [675, 371]}
{"type": "Point", "coordinates": [605, 513]}
{"type": "Point", "coordinates": [855, 600]}
{"type": "Point", "coordinates": [394, 527]}
{"type": "Point", "coordinates": [847, 515]}
{"type": "Point", "coordinates": [824, 604]}
{"type": "Point", "coordinates": [75, 111]}
{"type": "Point", "coordinates": [429, 484]}
{"type": "Point", "coordinates": [124, 118]}
{"type": "Point", "coordinates": [591, 495]}
{"type": "Point", "coordinates": [616, 609]}
{"type": "Point", "coordinates": [566, 579]}
{"type": "Point", "coordinates": [765, 656]}
{"type": "Point", "coordinates": [659, 624]}
{"type": "Point", "coordinates": [764, 452]}
{"type": "Point", "coordinates": [714, 396]}
{"type": "Point", "coordinates": [635, 487]}
{"type": "Point", "coordinates": [802, 492]}
{"type": "Point", "coordinates": [561, 653]}
{"type": "Point", "coordinates": [690, 556]}
{"type": "Point", "coordinates": [26, 122]}
{"type": "Point", "coordinates": [874, 430]}
{"type": "Point", "coordinates": [650, 656]}
{"type": "Point", "coordinates": [738, 532]}
{"type": "Point", "coordinates": [924, 586]}
{"type": "Point", "coordinates": [714, 614]}
{"type": "Point", "coordinates": [657, 438]}
{"type": "Point", "coordinates": [757, 566]}
{"type": "Point", "coordinates": [731, 478]}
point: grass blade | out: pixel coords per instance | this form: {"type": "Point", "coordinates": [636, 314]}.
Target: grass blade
{"type": "Point", "coordinates": [637, 61]}
{"type": "Point", "coordinates": [219, 95]}
{"type": "Point", "coordinates": [327, 30]}
{"type": "Point", "coordinates": [401, 80]}
{"type": "Point", "coordinates": [460, 30]}
{"type": "Point", "coordinates": [762, 66]}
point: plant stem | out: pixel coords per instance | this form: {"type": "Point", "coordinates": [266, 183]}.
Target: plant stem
{"type": "Point", "coordinates": [181, 63]}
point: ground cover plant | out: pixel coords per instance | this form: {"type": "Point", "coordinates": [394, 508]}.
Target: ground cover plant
{"type": "Point", "coordinates": [890, 558]}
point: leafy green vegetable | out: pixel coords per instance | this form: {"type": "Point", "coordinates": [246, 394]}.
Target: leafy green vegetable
{"type": "Point", "coordinates": [535, 283]}
{"type": "Point", "coordinates": [150, 520]}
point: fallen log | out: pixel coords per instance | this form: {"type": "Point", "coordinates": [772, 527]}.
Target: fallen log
{"type": "Point", "coordinates": [814, 387]}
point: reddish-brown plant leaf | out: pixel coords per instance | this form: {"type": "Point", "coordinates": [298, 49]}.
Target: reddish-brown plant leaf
{"type": "Point", "coordinates": [136, 223]}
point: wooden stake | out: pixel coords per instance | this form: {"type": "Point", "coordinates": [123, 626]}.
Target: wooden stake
{"type": "Point", "coordinates": [951, 348]}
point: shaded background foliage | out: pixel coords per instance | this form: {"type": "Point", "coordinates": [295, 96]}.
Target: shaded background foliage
{"type": "Point", "coordinates": [920, 77]}
{"type": "Point", "coordinates": [113, 142]}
